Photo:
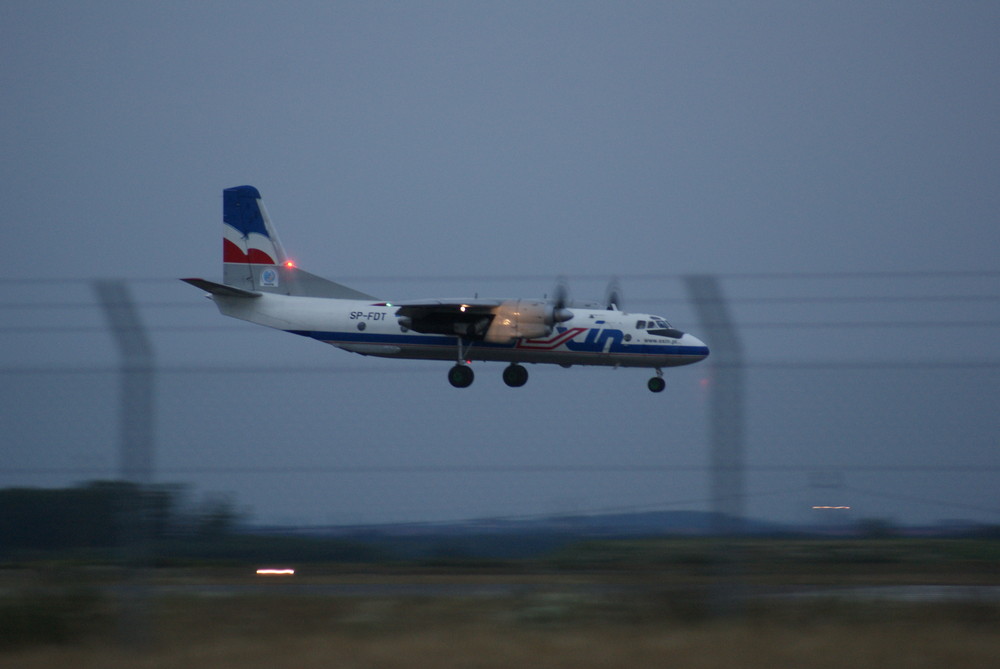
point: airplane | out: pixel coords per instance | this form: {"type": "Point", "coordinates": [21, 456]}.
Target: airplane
{"type": "Point", "coordinates": [260, 284]}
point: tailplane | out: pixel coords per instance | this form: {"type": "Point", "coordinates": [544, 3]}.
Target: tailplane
{"type": "Point", "coordinates": [253, 258]}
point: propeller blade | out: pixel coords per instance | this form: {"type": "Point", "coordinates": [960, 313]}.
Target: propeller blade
{"type": "Point", "coordinates": [613, 295]}
{"type": "Point", "coordinates": [560, 298]}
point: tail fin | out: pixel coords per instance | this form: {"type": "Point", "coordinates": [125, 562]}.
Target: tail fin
{"type": "Point", "coordinates": [253, 258]}
{"type": "Point", "coordinates": [251, 251]}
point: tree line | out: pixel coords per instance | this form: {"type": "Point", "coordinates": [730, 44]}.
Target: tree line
{"type": "Point", "coordinates": [102, 514]}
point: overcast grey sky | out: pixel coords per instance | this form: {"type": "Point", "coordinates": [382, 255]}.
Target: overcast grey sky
{"type": "Point", "coordinates": [446, 148]}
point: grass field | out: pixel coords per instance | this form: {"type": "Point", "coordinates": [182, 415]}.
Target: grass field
{"type": "Point", "coordinates": [539, 631]}
{"type": "Point", "coordinates": [649, 604]}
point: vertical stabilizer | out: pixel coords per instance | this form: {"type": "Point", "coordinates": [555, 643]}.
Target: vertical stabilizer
{"type": "Point", "coordinates": [253, 258]}
{"type": "Point", "coordinates": [251, 251]}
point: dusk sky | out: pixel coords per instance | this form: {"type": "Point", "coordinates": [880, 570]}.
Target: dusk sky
{"type": "Point", "coordinates": [835, 164]}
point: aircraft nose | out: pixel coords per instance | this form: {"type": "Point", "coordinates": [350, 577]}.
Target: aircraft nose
{"type": "Point", "coordinates": [696, 346]}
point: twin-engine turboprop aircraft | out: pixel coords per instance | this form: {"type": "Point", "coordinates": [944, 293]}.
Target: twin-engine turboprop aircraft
{"type": "Point", "coordinates": [261, 285]}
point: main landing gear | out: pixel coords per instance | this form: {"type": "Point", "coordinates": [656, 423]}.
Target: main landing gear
{"type": "Point", "coordinates": [461, 376]}
{"type": "Point", "coordinates": [515, 375]}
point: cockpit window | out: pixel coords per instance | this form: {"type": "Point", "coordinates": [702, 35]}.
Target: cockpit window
{"type": "Point", "coordinates": [659, 326]}
{"type": "Point", "coordinates": [655, 323]}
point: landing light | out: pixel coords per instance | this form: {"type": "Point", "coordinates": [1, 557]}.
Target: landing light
{"type": "Point", "coordinates": [289, 263]}
{"type": "Point", "coordinates": [275, 571]}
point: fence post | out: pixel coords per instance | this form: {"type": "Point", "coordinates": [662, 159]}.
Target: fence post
{"type": "Point", "coordinates": [136, 422]}
{"type": "Point", "coordinates": [726, 417]}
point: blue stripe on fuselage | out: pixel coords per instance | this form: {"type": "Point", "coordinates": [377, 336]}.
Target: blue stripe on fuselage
{"type": "Point", "coordinates": [595, 342]}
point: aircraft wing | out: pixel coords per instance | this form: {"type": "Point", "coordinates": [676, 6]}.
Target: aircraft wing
{"type": "Point", "coordinates": [450, 302]}
{"type": "Point", "coordinates": [465, 318]}
{"type": "Point", "coordinates": [497, 321]}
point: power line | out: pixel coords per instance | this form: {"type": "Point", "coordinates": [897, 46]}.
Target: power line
{"type": "Point", "coordinates": [914, 499]}
{"type": "Point", "coordinates": [837, 299]}
{"type": "Point", "coordinates": [878, 274]}
{"type": "Point", "coordinates": [770, 325]}
{"type": "Point", "coordinates": [238, 368]}
{"type": "Point", "coordinates": [792, 299]}
{"type": "Point", "coordinates": [674, 276]}
{"type": "Point", "coordinates": [419, 469]}
{"type": "Point", "coordinates": [860, 365]}
{"type": "Point", "coordinates": [869, 324]}
{"type": "Point", "coordinates": [637, 276]}
{"type": "Point", "coordinates": [412, 470]}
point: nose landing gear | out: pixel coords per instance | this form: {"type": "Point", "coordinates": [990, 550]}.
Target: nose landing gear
{"type": "Point", "coordinates": [657, 384]}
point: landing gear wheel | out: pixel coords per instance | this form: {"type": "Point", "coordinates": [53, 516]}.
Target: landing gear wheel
{"type": "Point", "coordinates": [461, 376]}
{"type": "Point", "coordinates": [657, 384]}
{"type": "Point", "coordinates": [515, 376]}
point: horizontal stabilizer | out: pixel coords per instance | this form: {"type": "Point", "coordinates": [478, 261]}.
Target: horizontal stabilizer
{"type": "Point", "coordinates": [221, 289]}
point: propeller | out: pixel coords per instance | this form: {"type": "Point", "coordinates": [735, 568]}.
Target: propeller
{"type": "Point", "coordinates": [613, 295]}
{"type": "Point", "coordinates": [559, 301]}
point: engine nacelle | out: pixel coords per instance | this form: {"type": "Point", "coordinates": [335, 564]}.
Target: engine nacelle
{"type": "Point", "coordinates": [524, 319]}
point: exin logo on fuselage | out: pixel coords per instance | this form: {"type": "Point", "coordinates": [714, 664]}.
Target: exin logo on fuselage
{"type": "Point", "coordinates": [561, 336]}
{"type": "Point", "coordinates": [598, 340]}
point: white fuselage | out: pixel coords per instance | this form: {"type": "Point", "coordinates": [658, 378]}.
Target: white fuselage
{"type": "Point", "coordinates": [590, 337]}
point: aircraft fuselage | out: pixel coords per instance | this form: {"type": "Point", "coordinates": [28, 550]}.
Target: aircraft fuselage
{"type": "Point", "coordinates": [591, 337]}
